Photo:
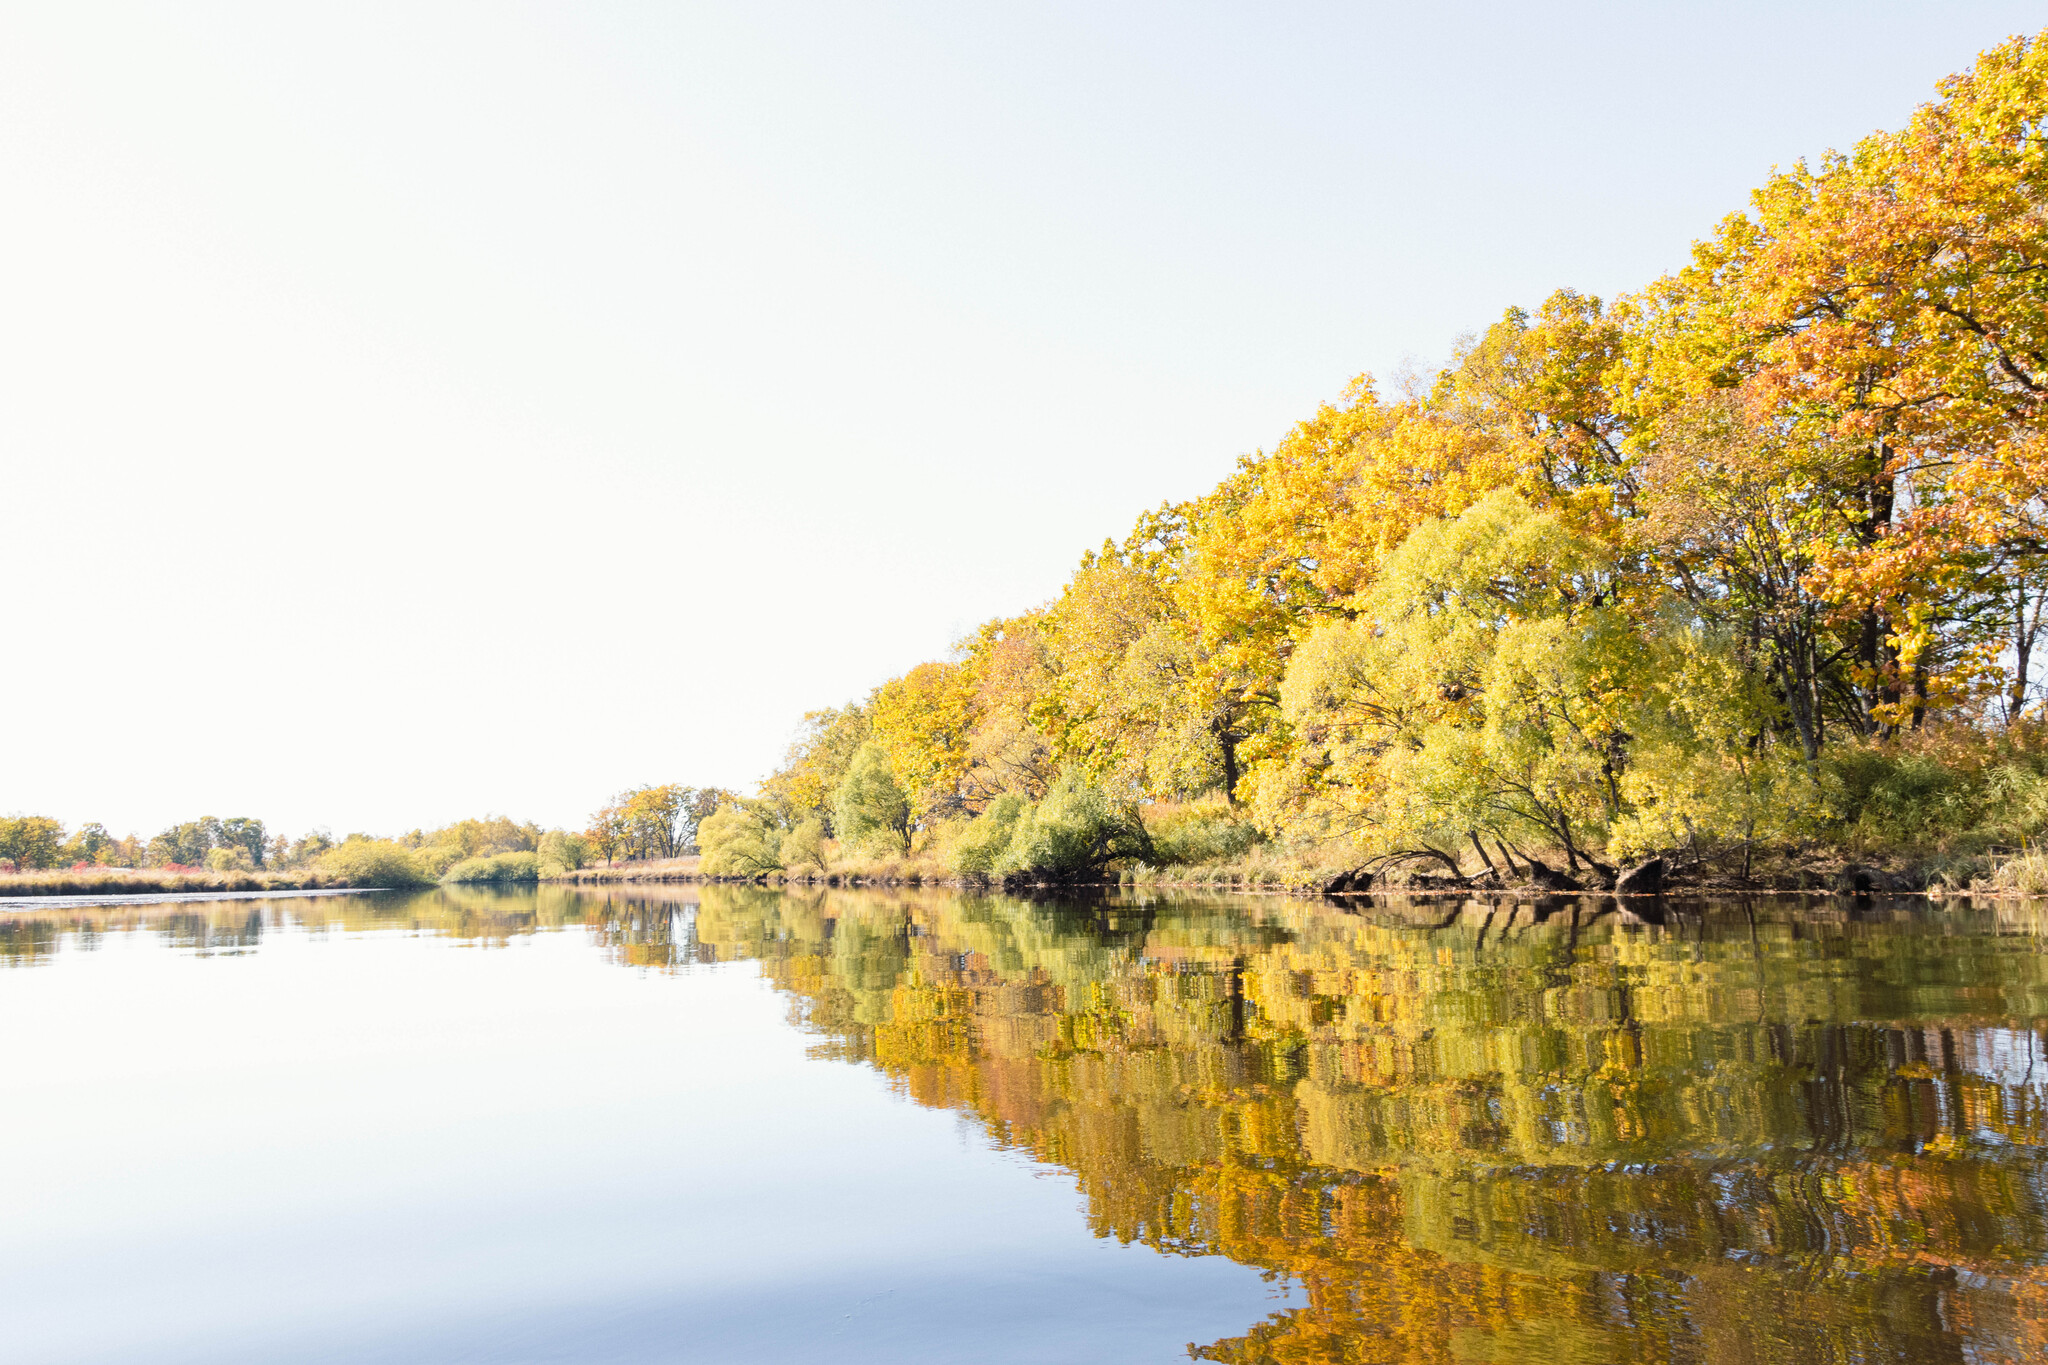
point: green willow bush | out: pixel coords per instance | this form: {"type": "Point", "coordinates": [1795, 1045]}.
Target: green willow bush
{"type": "Point", "coordinates": [500, 867]}
{"type": "Point", "coordinates": [373, 862]}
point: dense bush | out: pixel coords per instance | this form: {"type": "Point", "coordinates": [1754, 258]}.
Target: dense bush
{"type": "Point", "coordinates": [1077, 829]}
{"type": "Point", "coordinates": [1199, 832]}
{"type": "Point", "coordinates": [435, 859]}
{"type": "Point", "coordinates": [499, 867]}
{"type": "Point", "coordinates": [373, 862]}
{"type": "Point", "coordinates": [978, 848]}
{"type": "Point", "coordinates": [1951, 790]}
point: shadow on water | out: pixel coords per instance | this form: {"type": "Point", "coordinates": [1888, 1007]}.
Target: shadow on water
{"type": "Point", "coordinates": [1564, 1129]}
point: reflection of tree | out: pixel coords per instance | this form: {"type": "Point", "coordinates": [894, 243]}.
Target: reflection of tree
{"type": "Point", "coordinates": [1754, 1135]}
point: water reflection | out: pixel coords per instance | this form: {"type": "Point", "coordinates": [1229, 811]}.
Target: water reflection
{"type": "Point", "coordinates": [1764, 1131]}
{"type": "Point", "coordinates": [1479, 1132]}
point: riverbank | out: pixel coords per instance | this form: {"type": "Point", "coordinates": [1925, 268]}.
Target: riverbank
{"type": "Point", "coordinates": [645, 870]}
{"type": "Point", "coordinates": [1813, 871]}
{"type": "Point", "coordinates": [116, 881]}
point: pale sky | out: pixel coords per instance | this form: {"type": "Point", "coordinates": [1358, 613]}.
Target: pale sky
{"type": "Point", "coordinates": [412, 411]}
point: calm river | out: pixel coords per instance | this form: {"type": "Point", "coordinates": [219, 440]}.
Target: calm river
{"type": "Point", "coordinates": [729, 1125]}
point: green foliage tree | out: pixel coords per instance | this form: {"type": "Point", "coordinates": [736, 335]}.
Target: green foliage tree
{"type": "Point", "coordinates": [870, 809]}
{"type": "Point", "coordinates": [185, 845]}
{"type": "Point", "coordinates": [30, 841]}
{"type": "Point", "coordinates": [738, 842]}
{"type": "Point", "coordinates": [91, 844]}
{"type": "Point", "coordinates": [816, 763]}
{"type": "Point", "coordinates": [561, 851]}
{"type": "Point", "coordinates": [244, 834]}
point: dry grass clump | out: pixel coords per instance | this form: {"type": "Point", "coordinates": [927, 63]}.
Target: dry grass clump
{"type": "Point", "coordinates": [922, 868]}
{"type": "Point", "coordinates": [634, 870]}
{"type": "Point", "coordinates": [1265, 867]}
{"type": "Point", "coordinates": [2027, 875]}
{"type": "Point", "coordinates": [1957, 872]}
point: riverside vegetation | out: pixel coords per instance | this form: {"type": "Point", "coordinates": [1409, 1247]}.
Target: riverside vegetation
{"type": "Point", "coordinates": [1746, 571]}
{"type": "Point", "coordinates": [1742, 576]}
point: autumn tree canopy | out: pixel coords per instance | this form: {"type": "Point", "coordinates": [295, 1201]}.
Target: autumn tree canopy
{"type": "Point", "coordinates": [1623, 575]}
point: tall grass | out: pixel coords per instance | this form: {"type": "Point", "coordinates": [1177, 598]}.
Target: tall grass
{"type": "Point", "coordinates": [883, 869]}
{"type": "Point", "coordinates": [635, 870]}
{"type": "Point", "coordinates": [1264, 868]}
{"type": "Point", "coordinates": [1949, 790]}
{"type": "Point", "coordinates": [1203, 833]}
{"type": "Point", "coordinates": [2027, 875]}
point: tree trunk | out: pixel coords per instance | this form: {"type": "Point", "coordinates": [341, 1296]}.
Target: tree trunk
{"type": "Point", "coordinates": [2023, 636]}
{"type": "Point", "coordinates": [1227, 741]}
{"type": "Point", "coordinates": [1880, 499]}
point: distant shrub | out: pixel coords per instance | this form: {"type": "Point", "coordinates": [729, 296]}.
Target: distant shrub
{"type": "Point", "coordinates": [1077, 829]}
{"type": "Point", "coordinates": [561, 851]}
{"type": "Point", "coordinates": [227, 860]}
{"type": "Point", "coordinates": [435, 859]}
{"type": "Point", "coordinates": [1199, 832]}
{"type": "Point", "coordinates": [373, 862]}
{"type": "Point", "coordinates": [499, 867]}
{"type": "Point", "coordinates": [982, 844]}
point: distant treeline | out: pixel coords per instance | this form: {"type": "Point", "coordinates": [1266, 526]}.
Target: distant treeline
{"type": "Point", "coordinates": [31, 842]}
{"type": "Point", "coordinates": [1752, 561]}
{"type": "Point", "coordinates": [242, 844]}
{"type": "Point", "coordinates": [640, 823]}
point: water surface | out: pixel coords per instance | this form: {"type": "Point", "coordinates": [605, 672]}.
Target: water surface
{"type": "Point", "coordinates": [727, 1124]}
